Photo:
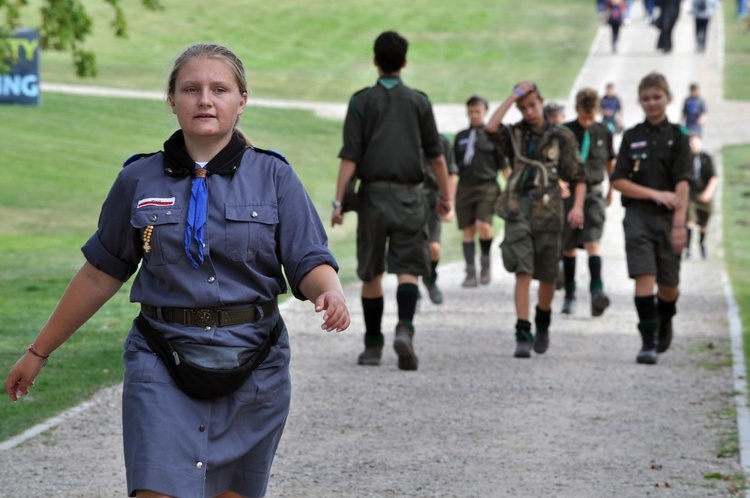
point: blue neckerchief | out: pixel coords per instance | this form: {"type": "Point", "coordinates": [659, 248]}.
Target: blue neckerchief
{"type": "Point", "coordinates": [196, 218]}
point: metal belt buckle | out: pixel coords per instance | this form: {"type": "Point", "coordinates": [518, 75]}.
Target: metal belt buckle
{"type": "Point", "coordinates": [204, 318]}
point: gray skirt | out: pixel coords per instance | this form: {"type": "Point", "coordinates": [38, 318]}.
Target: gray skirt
{"type": "Point", "coordinates": [192, 448]}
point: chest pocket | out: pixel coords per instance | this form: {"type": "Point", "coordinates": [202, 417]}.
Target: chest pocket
{"type": "Point", "coordinates": [167, 239]}
{"type": "Point", "coordinates": [250, 229]}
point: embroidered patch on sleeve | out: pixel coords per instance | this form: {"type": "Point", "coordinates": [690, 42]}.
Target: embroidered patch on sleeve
{"type": "Point", "coordinates": [156, 201]}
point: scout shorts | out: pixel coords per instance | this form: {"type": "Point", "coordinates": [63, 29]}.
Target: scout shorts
{"type": "Point", "coordinates": [392, 231]}
{"type": "Point", "coordinates": [476, 202]}
{"type": "Point", "coordinates": [594, 216]}
{"type": "Point", "coordinates": [526, 251]}
{"type": "Point", "coordinates": [699, 212]}
{"type": "Point", "coordinates": [648, 246]}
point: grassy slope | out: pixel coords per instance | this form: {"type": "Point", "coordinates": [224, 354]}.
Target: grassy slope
{"type": "Point", "coordinates": [736, 182]}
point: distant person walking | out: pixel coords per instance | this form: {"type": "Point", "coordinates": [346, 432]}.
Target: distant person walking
{"type": "Point", "coordinates": [615, 18]}
{"type": "Point", "coordinates": [611, 109]}
{"type": "Point", "coordinates": [702, 186]}
{"type": "Point", "coordinates": [387, 130]}
{"type": "Point", "coordinates": [670, 12]}
{"type": "Point", "coordinates": [652, 174]}
{"type": "Point", "coordinates": [694, 111]}
{"type": "Point", "coordinates": [703, 10]}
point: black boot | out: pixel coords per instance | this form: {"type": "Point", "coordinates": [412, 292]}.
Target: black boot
{"type": "Point", "coordinates": [649, 330]}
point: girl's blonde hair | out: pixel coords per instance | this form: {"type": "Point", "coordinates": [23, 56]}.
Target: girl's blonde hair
{"type": "Point", "coordinates": [213, 51]}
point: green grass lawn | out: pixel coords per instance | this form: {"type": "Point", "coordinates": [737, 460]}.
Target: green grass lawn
{"type": "Point", "coordinates": [322, 50]}
{"type": "Point", "coordinates": [736, 205]}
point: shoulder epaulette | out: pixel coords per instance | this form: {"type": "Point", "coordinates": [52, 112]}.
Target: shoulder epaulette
{"type": "Point", "coordinates": [135, 157]}
{"type": "Point", "coordinates": [360, 91]}
{"type": "Point", "coordinates": [271, 152]}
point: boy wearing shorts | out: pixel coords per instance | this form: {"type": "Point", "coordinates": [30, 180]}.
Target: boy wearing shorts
{"type": "Point", "coordinates": [652, 173]}
{"type": "Point", "coordinates": [702, 185]}
{"type": "Point", "coordinates": [479, 160]}
{"type": "Point", "coordinates": [540, 154]}
{"type": "Point", "coordinates": [598, 154]}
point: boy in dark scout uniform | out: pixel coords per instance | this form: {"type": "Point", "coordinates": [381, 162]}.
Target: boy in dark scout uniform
{"type": "Point", "coordinates": [652, 173]}
{"type": "Point", "coordinates": [540, 153]}
{"type": "Point", "coordinates": [479, 161]}
{"type": "Point", "coordinates": [702, 185]}
{"type": "Point", "coordinates": [435, 221]}
{"type": "Point", "coordinates": [598, 154]}
{"type": "Point", "coordinates": [388, 128]}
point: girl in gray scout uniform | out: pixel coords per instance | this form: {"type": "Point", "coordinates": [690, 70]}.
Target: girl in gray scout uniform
{"type": "Point", "coordinates": [652, 173]}
{"type": "Point", "coordinates": [207, 224]}
{"type": "Point", "coordinates": [540, 153]}
{"type": "Point", "coordinates": [598, 154]}
{"type": "Point", "coordinates": [478, 189]}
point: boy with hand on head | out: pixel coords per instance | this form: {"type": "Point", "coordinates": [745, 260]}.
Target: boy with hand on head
{"type": "Point", "coordinates": [479, 161]}
{"type": "Point", "coordinates": [540, 153]}
{"type": "Point", "coordinates": [598, 155]}
{"type": "Point", "coordinates": [652, 173]}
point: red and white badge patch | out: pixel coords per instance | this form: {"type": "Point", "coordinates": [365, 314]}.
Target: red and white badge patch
{"type": "Point", "coordinates": [156, 201]}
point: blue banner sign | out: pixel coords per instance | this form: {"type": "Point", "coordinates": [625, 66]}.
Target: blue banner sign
{"type": "Point", "coordinates": [21, 84]}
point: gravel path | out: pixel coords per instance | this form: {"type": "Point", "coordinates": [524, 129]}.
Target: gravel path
{"type": "Point", "coordinates": [583, 420]}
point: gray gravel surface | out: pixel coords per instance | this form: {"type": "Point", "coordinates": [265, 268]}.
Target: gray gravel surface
{"type": "Point", "coordinates": [582, 420]}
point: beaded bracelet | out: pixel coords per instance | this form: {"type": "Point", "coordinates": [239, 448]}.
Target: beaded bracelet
{"type": "Point", "coordinates": [31, 350]}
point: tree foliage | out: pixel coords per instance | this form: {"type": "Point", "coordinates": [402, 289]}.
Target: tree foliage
{"type": "Point", "coordinates": [64, 27]}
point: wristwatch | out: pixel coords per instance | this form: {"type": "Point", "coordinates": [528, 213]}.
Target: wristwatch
{"type": "Point", "coordinates": [336, 204]}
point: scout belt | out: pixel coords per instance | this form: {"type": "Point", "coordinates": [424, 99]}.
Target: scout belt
{"type": "Point", "coordinates": [209, 317]}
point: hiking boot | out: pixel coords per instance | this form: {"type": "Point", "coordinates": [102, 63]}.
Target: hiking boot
{"type": "Point", "coordinates": [434, 292]}
{"type": "Point", "coordinates": [471, 277]}
{"type": "Point", "coordinates": [648, 354]}
{"type": "Point", "coordinates": [665, 335]}
{"type": "Point", "coordinates": [599, 302]}
{"type": "Point", "coordinates": [541, 341]}
{"type": "Point", "coordinates": [402, 343]}
{"type": "Point", "coordinates": [485, 274]}
{"type": "Point", "coordinates": [524, 343]}
{"type": "Point", "coordinates": [560, 281]}
{"type": "Point", "coordinates": [370, 356]}
{"type": "Point", "coordinates": [569, 305]}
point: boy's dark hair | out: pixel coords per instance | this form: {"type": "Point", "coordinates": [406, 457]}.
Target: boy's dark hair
{"type": "Point", "coordinates": [693, 86]}
{"type": "Point", "coordinates": [390, 51]}
{"type": "Point", "coordinates": [553, 108]}
{"type": "Point", "coordinates": [654, 80]}
{"type": "Point", "coordinates": [587, 100]}
{"type": "Point", "coordinates": [477, 99]}
{"type": "Point", "coordinates": [533, 90]}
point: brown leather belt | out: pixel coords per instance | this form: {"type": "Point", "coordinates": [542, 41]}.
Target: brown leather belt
{"type": "Point", "coordinates": [209, 317]}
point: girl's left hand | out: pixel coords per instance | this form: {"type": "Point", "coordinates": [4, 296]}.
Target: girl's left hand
{"type": "Point", "coordinates": [336, 315]}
